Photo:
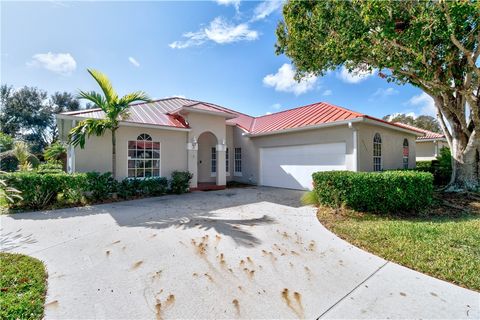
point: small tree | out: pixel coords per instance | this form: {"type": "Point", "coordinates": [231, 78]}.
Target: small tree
{"type": "Point", "coordinates": [433, 45]}
{"type": "Point", "coordinates": [115, 109]}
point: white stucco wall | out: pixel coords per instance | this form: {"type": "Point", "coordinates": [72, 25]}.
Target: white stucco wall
{"type": "Point", "coordinates": [392, 147]}
{"type": "Point", "coordinates": [97, 154]}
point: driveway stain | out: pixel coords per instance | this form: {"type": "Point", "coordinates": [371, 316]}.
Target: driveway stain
{"type": "Point", "coordinates": [137, 265]}
{"type": "Point", "coordinates": [298, 309]}
{"type": "Point", "coordinates": [236, 304]}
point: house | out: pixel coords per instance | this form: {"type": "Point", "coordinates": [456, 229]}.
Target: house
{"type": "Point", "coordinates": [218, 144]}
{"type": "Point", "coordinates": [429, 144]}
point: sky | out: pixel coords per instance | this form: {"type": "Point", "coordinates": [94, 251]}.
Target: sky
{"type": "Point", "coordinates": [216, 51]}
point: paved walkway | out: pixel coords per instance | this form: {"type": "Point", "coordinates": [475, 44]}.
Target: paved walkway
{"type": "Point", "coordinates": [238, 253]}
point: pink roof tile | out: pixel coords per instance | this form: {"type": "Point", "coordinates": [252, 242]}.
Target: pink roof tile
{"type": "Point", "coordinates": [428, 135]}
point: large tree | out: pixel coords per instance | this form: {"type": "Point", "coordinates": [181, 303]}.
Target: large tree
{"type": "Point", "coordinates": [62, 102]}
{"type": "Point", "coordinates": [433, 45]}
{"type": "Point", "coordinates": [424, 122]}
{"type": "Point", "coordinates": [26, 114]}
{"type": "Point", "coordinates": [115, 109]}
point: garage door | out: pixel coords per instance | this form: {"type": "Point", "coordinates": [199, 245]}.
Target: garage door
{"type": "Point", "coordinates": [292, 167]}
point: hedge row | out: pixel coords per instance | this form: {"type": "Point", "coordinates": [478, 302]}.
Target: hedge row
{"type": "Point", "coordinates": [383, 192]}
{"type": "Point", "coordinates": [42, 190]}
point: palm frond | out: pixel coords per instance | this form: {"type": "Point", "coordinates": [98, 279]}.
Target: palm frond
{"type": "Point", "coordinates": [93, 97]}
{"type": "Point", "coordinates": [105, 84]}
{"type": "Point", "coordinates": [87, 128]}
{"type": "Point", "coordinates": [137, 96]}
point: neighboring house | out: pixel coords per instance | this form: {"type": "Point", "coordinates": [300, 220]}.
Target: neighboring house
{"type": "Point", "coordinates": [218, 144]}
{"type": "Point", "coordinates": [427, 146]}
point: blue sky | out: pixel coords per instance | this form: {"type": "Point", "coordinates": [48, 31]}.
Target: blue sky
{"type": "Point", "coordinates": [217, 51]}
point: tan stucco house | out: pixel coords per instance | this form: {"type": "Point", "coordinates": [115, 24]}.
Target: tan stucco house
{"type": "Point", "coordinates": [429, 144]}
{"type": "Point", "coordinates": [218, 144]}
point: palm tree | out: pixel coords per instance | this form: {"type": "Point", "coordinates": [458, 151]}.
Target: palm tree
{"type": "Point", "coordinates": [115, 109]}
{"type": "Point", "coordinates": [21, 152]}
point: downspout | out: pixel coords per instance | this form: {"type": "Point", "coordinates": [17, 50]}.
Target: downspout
{"type": "Point", "coordinates": [355, 146]}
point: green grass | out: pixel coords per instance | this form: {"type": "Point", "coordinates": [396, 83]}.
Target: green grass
{"type": "Point", "coordinates": [23, 287]}
{"type": "Point", "coordinates": [446, 246]}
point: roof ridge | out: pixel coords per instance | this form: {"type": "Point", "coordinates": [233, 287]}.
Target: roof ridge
{"type": "Point", "coordinates": [309, 105]}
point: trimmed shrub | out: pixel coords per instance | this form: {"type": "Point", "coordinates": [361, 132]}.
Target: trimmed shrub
{"type": "Point", "coordinates": [50, 167]}
{"type": "Point", "coordinates": [38, 191]}
{"type": "Point", "coordinates": [154, 186]}
{"type": "Point", "coordinates": [100, 186]}
{"type": "Point", "coordinates": [180, 182]}
{"type": "Point", "coordinates": [384, 192]}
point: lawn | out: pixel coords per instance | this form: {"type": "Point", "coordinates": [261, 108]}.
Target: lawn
{"type": "Point", "coordinates": [23, 287]}
{"type": "Point", "coordinates": [444, 243]}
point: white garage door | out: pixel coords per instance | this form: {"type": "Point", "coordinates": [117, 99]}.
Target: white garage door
{"type": "Point", "coordinates": [292, 167]}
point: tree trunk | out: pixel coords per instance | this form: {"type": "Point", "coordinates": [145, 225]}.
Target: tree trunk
{"type": "Point", "coordinates": [114, 153]}
{"type": "Point", "coordinates": [465, 167]}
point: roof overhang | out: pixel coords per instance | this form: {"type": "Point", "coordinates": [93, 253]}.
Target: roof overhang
{"type": "Point", "coordinates": [186, 110]}
{"type": "Point", "coordinates": [364, 119]}
{"type": "Point", "coordinates": [127, 123]}
{"type": "Point", "coordinates": [432, 139]}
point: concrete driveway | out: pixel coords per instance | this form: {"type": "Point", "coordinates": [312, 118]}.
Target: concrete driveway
{"type": "Point", "coordinates": [239, 253]}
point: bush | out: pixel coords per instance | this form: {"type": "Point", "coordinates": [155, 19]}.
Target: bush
{"type": "Point", "coordinates": [100, 186]}
{"type": "Point", "coordinates": [154, 186]}
{"type": "Point", "coordinates": [386, 192]}
{"type": "Point", "coordinates": [50, 167]}
{"type": "Point", "coordinates": [180, 182]}
{"type": "Point", "coordinates": [441, 168]}
{"type": "Point", "coordinates": [38, 191]}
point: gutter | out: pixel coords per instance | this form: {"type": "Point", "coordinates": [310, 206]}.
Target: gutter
{"type": "Point", "coordinates": [363, 119]}
{"type": "Point", "coordinates": [128, 123]}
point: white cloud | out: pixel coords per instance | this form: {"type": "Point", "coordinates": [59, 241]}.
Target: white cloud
{"type": "Point", "coordinates": [284, 81]}
{"type": "Point", "coordinates": [61, 63]}
{"type": "Point", "coordinates": [383, 93]}
{"type": "Point", "coordinates": [235, 3]}
{"type": "Point", "coordinates": [219, 31]}
{"type": "Point", "coordinates": [396, 114]}
{"type": "Point", "coordinates": [176, 96]}
{"type": "Point", "coordinates": [276, 106]}
{"type": "Point", "coordinates": [134, 61]}
{"type": "Point", "coordinates": [266, 8]}
{"type": "Point", "coordinates": [267, 113]}
{"type": "Point", "coordinates": [327, 93]}
{"type": "Point", "coordinates": [425, 103]}
{"type": "Point", "coordinates": [355, 76]}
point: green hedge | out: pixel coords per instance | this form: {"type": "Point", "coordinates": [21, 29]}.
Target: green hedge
{"type": "Point", "coordinates": [41, 190]}
{"type": "Point", "coordinates": [385, 192]}
{"type": "Point", "coordinates": [46, 187]}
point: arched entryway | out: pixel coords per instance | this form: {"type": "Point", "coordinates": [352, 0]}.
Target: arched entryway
{"type": "Point", "coordinates": [207, 162]}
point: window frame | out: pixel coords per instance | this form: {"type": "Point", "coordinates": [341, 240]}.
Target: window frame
{"type": "Point", "coordinates": [227, 162]}
{"type": "Point", "coordinates": [377, 159]}
{"type": "Point", "coordinates": [405, 157]}
{"type": "Point", "coordinates": [213, 161]}
{"type": "Point", "coordinates": [146, 138]}
{"type": "Point", "coordinates": [237, 161]}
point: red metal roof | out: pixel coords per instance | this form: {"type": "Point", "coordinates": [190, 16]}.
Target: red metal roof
{"type": "Point", "coordinates": [310, 115]}
{"type": "Point", "coordinates": [428, 135]}
{"type": "Point", "coordinates": [163, 112]}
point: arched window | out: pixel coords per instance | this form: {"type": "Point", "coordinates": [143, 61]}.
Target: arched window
{"type": "Point", "coordinates": [405, 153]}
{"type": "Point", "coordinates": [143, 157]}
{"type": "Point", "coordinates": [377, 152]}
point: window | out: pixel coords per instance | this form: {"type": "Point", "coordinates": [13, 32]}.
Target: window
{"type": "Point", "coordinates": [238, 161]}
{"type": "Point", "coordinates": [377, 152]}
{"type": "Point", "coordinates": [213, 167]}
{"type": "Point", "coordinates": [143, 157]}
{"type": "Point", "coordinates": [405, 154]}
{"type": "Point", "coordinates": [227, 165]}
